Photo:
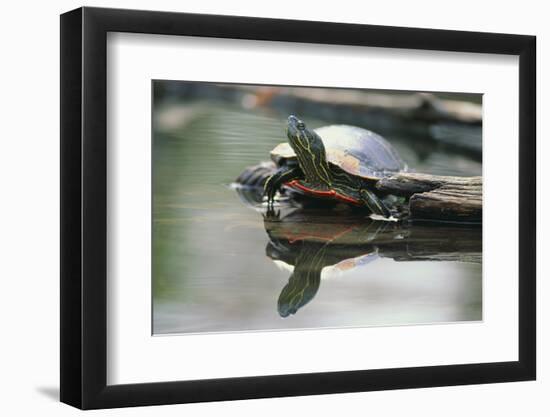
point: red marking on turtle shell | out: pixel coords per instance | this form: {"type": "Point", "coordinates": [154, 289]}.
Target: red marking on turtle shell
{"type": "Point", "coordinates": [329, 193]}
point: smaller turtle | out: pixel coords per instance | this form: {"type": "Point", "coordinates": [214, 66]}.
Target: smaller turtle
{"type": "Point", "coordinates": [339, 162]}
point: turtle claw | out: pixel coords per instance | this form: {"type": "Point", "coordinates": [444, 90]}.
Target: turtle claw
{"type": "Point", "coordinates": [274, 183]}
{"type": "Point", "coordinates": [271, 214]}
{"type": "Point", "coordinates": [270, 193]}
{"type": "Point", "coordinates": [375, 204]}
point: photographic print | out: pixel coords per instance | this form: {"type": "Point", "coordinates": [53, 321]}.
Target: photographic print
{"type": "Point", "coordinates": [260, 205]}
{"type": "Point", "coordinates": [292, 208]}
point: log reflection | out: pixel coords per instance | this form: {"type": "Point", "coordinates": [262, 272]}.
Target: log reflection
{"type": "Point", "coordinates": [308, 241]}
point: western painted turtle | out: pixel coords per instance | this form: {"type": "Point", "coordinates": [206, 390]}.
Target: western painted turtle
{"type": "Point", "coordinates": [339, 162]}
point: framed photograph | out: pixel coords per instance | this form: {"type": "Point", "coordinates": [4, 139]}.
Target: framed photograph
{"type": "Point", "coordinates": [257, 208]}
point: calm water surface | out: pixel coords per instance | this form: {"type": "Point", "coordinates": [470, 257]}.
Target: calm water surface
{"type": "Point", "coordinates": [218, 266]}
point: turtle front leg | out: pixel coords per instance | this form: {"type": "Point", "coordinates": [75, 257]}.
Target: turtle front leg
{"type": "Point", "coordinates": [374, 203]}
{"type": "Point", "coordinates": [274, 182]}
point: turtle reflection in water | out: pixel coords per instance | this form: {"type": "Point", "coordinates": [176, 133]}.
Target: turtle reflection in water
{"type": "Point", "coordinates": [312, 243]}
{"type": "Point", "coordinates": [309, 244]}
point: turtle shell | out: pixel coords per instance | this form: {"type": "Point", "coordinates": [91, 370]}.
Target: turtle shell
{"type": "Point", "coordinates": [355, 150]}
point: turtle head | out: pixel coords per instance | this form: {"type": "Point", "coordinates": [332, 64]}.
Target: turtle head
{"type": "Point", "coordinates": [301, 288]}
{"type": "Point", "coordinates": [310, 151]}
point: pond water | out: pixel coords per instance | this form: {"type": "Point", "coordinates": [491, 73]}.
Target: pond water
{"type": "Point", "coordinates": [218, 266]}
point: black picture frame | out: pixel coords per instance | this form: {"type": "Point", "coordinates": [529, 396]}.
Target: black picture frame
{"type": "Point", "coordinates": [84, 207]}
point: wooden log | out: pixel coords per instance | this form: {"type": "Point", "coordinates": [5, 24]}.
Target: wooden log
{"type": "Point", "coordinates": [425, 107]}
{"type": "Point", "coordinates": [433, 197]}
